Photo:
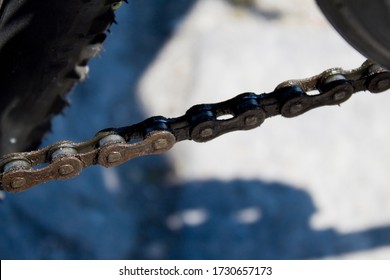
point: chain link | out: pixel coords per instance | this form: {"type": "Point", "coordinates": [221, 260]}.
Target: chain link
{"type": "Point", "coordinates": [201, 123]}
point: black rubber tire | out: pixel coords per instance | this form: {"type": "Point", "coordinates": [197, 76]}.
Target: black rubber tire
{"type": "Point", "coordinates": [364, 24]}
{"type": "Point", "coordinates": [44, 49]}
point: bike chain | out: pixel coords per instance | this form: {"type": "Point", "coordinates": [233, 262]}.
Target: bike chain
{"type": "Point", "coordinates": [201, 123]}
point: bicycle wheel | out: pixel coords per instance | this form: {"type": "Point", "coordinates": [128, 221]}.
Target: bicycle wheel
{"type": "Point", "coordinates": [45, 46]}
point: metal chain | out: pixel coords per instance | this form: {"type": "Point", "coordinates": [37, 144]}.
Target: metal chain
{"type": "Point", "coordinates": [201, 123]}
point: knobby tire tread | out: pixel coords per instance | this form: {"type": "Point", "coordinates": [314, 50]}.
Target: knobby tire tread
{"type": "Point", "coordinates": [45, 46]}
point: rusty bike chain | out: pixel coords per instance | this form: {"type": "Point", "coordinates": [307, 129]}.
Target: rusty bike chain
{"type": "Point", "coordinates": [201, 123]}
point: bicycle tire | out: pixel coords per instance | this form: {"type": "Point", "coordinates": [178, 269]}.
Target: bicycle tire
{"type": "Point", "coordinates": [45, 46]}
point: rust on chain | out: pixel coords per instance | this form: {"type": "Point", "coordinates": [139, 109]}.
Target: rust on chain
{"type": "Point", "coordinates": [69, 159]}
{"type": "Point", "coordinates": [156, 142]}
{"type": "Point", "coordinates": [201, 123]}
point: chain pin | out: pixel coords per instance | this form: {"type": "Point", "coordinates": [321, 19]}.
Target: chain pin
{"type": "Point", "coordinates": [114, 157]}
{"type": "Point", "coordinates": [18, 182]}
{"type": "Point", "coordinates": [339, 95]}
{"type": "Point", "coordinates": [66, 169]}
{"type": "Point", "coordinates": [251, 120]}
{"type": "Point", "coordinates": [296, 108]}
{"type": "Point", "coordinates": [207, 132]}
{"type": "Point", "coordinates": [160, 144]}
{"type": "Point", "coordinates": [383, 83]}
